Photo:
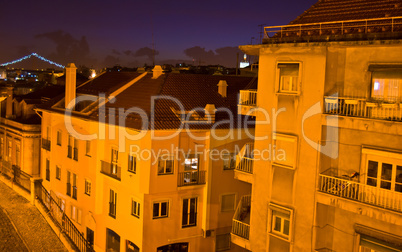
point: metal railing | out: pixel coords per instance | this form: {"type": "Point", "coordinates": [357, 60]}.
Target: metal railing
{"type": "Point", "coordinates": [61, 219]}
{"type": "Point", "coordinates": [191, 178]}
{"type": "Point", "coordinates": [377, 25]}
{"type": "Point", "coordinates": [245, 159]}
{"type": "Point", "coordinates": [46, 144]}
{"type": "Point", "coordinates": [248, 97]}
{"type": "Point", "coordinates": [239, 225]}
{"type": "Point", "coordinates": [361, 107]}
{"type": "Point", "coordinates": [111, 170]}
{"type": "Point", "coordinates": [361, 192]}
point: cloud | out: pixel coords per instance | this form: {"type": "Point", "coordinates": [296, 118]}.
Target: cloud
{"type": "Point", "coordinates": [146, 51]}
{"type": "Point", "coordinates": [68, 48]}
{"type": "Point", "coordinates": [225, 56]}
{"type": "Point", "coordinates": [128, 52]}
{"type": "Point", "coordinates": [114, 51]}
{"type": "Point", "coordinates": [110, 61]}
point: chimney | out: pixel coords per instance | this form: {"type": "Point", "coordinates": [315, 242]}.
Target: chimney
{"type": "Point", "coordinates": [157, 71]}
{"type": "Point", "coordinates": [71, 70]}
{"type": "Point", "coordinates": [210, 112]}
{"type": "Point", "coordinates": [9, 103]}
{"type": "Point", "coordinates": [222, 88]}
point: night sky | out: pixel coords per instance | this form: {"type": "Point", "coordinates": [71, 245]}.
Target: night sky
{"type": "Point", "coordinates": [105, 33]}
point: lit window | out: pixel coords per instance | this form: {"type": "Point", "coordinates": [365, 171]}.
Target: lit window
{"type": "Point", "coordinates": [228, 202]}
{"type": "Point", "coordinates": [114, 161]}
{"type": "Point", "coordinates": [135, 208]}
{"type": "Point", "coordinates": [160, 209]}
{"type": "Point", "coordinates": [222, 242]}
{"type": "Point", "coordinates": [191, 162]}
{"type": "Point", "coordinates": [387, 85]}
{"type": "Point", "coordinates": [88, 187]}
{"type": "Point", "coordinates": [189, 212]}
{"type": "Point", "coordinates": [285, 154]}
{"type": "Point", "coordinates": [132, 164]}
{"type": "Point", "coordinates": [165, 165]}
{"type": "Point", "coordinates": [289, 75]}
{"type": "Point", "coordinates": [281, 221]}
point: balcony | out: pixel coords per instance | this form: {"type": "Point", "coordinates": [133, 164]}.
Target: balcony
{"type": "Point", "coordinates": [331, 182]}
{"type": "Point", "coordinates": [241, 222]}
{"type": "Point", "coordinates": [245, 163]}
{"type": "Point", "coordinates": [361, 107]}
{"type": "Point", "coordinates": [247, 102]}
{"type": "Point", "coordinates": [111, 169]}
{"type": "Point", "coordinates": [189, 178]}
{"type": "Point", "coordinates": [46, 144]}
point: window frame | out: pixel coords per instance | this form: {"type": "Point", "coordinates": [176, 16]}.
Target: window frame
{"type": "Point", "coordinates": [189, 225]}
{"type": "Point", "coordinates": [135, 208]}
{"type": "Point", "coordinates": [88, 187]}
{"type": "Point", "coordinates": [112, 202]}
{"type": "Point", "coordinates": [386, 75]}
{"type": "Point", "coordinates": [160, 202]}
{"type": "Point", "coordinates": [164, 159]}
{"type": "Point", "coordinates": [290, 139]}
{"type": "Point", "coordinates": [132, 164]}
{"type": "Point", "coordinates": [88, 148]}
{"type": "Point", "coordinates": [273, 207]}
{"type": "Point", "coordinates": [278, 82]}
{"type": "Point", "coordinates": [221, 202]}
{"type": "Point", "coordinates": [47, 165]}
{"type": "Point", "coordinates": [188, 167]}
{"type": "Point", "coordinates": [58, 172]}
{"type": "Point", "coordinates": [59, 138]}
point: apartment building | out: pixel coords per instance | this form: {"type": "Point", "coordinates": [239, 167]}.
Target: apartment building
{"type": "Point", "coordinates": [330, 84]}
{"type": "Point", "coordinates": [146, 160]}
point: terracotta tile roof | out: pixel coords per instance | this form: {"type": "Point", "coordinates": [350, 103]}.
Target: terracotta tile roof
{"type": "Point", "coordinates": [342, 10]}
{"type": "Point", "coordinates": [193, 91]}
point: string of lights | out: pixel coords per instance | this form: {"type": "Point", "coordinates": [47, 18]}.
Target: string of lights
{"type": "Point", "coordinates": [29, 56]}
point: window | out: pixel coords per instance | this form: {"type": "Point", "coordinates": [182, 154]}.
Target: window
{"type": "Point", "coordinates": [222, 242]}
{"type": "Point", "coordinates": [112, 203]}
{"type": "Point", "coordinates": [76, 214]}
{"type": "Point", "coordinates": [383, 169]}
{"type": "Point", "coordinates": [289, 78]}
{"type": "Point", "coordinates": [58, 172]}
{"type": "Point", "coordinates": [18, 154]}
{"type": "Point", "coordinates": [47, 170]}
{"type": "Point", "coordinates": [75, 156]}
{"type": "Point", "coordinates": [189, 212]}
{"type": "Point", "coordinates": [59, 137]}
{"type": "Point", "coordinates": [191, 162]}
{"type": "Point", "coordinates": [285, 154]}
{"type": "Point", "coordinates": [68, 183]}
{"type": "Point", "coordinates": [165, 165]}
{"type": "Point", "coordinates": [135, 208]}
{"type": "Point", "coordinates": [161, 209]}
{"type": "Point", "coordinates": [281, 221]}
{"type": "Point", "coordinates": [88, 187]}
{"type": "Point", "coordinates": [386, 85]}
{"type": "Point", "coordinates": [70, 147]}
{"type": "Point", "coordinates": [9, 149]}
{"type": "Point", "coordinates": [228, 202]}
{"type": "Point", "coordinates": [131, 247]}
{"type": "Point", "coordinates": [132, 164]}
{"type": "Point", "coordinates": [229, 161]}
{"type": "Point", "coordinates": [88, 148]}
{"type": "Point", "coordinates": [114, 161]}
{"type": "Point", "coordinates": [75, 189]}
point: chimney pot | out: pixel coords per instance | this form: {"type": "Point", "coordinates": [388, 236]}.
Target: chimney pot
{"type": "Point", "coordinates": [157, 71]}
{"type": "Point", "coordinates": [210, 112]}
{"type": "Point", "coordinates": [222, 88]}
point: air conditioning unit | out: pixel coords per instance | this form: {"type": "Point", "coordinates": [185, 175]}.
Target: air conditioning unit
{"type": "Point", "coordinates": [208, 233]}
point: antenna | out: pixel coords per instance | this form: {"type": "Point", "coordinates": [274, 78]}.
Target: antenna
{"type": "Point", "coordinates": [261, 31]}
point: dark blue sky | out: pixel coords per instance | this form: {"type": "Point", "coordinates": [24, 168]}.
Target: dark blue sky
{"type": "Point", "coordinates": [103, 33]}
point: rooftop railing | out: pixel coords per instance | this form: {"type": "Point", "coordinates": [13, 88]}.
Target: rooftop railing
{"type": "Point", "coordinates": [362, 26]}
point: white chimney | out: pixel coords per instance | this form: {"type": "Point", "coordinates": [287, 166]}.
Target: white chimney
{"type": "Point", "coordinates": [210, 112]}
{"type": "Point", "coordinates": [222, 88]}
{"type": "Point", "coordinates": [71, 72]}
{"type": "Point", "coordinates": [157, 71]}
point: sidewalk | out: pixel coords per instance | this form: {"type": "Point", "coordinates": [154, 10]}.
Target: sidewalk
{"type": "Point", "coordinates": [31, 225]}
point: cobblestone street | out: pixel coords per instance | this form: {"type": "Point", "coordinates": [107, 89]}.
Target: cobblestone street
{"type": "Point", "coordinates": [31, 225]}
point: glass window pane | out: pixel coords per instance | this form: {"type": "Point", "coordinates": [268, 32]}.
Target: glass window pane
{"type": "Point", "coordinates": [277, 223]}
{"type": "Point", "coordinates": [286, 225]}
{"type": "Point", "coordinates": [372, 169]}
{"type": "Point", "coordinates": [169, 166]}
{"type": "Point", "coordinates": [164, 209]}
{"type": "Point", "coordinates": [156, 210]}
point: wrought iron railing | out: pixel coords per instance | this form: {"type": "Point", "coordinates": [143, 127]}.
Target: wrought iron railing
{"type": "Point", "coordinates": [241, 218]}
{"type": "Point", "coordinates": [46, 144]}
{"type": "Point", "coordinates": [361, 107]}
{"type": "Point", "coordinates": [61, 219]}
{"type": "Point", "coordinates": [191, 178]}
{"type": "Point", "coordinates": [111, 170]}
{"type": "Point", "coordinates": [346, 188]}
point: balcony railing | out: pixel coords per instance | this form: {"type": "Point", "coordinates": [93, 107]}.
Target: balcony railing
{"type": "Point", "coordinates": [248, 97]}
{"type": "Point", "coordinates": [111, 170]}
{"type": "Point", "coordinates": [361, 107]}
{"type": "Point", "coordinates": [46, 144]}
{"type": "Point", "coordinates": [362, 26]}
{"type": "Point", "coordinates": [191, 178]}
{"type": "Point", "coordinates": [345, 188]}
{"type": "Point", "coordinates": [245, 159]}
{"type": "Point", "coordinates": [241, 218]}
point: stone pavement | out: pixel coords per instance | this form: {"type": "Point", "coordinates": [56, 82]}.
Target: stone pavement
{"type": "Point", "coordinates": [33, 228]}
